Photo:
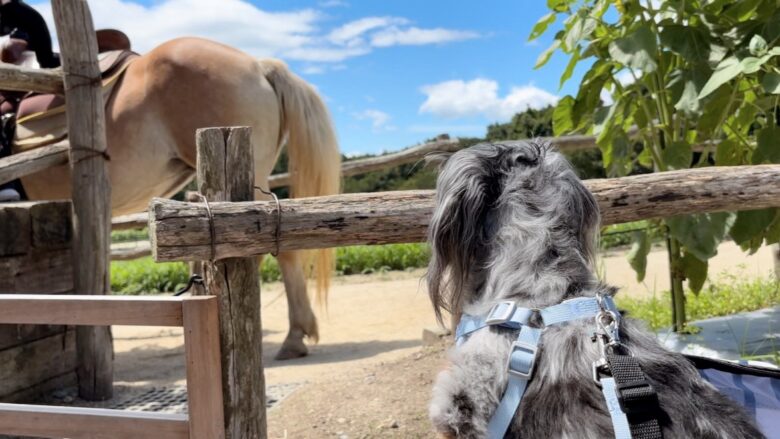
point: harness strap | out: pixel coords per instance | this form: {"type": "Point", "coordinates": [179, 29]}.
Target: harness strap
{"type": "Point", "coordinates": [636, 396]}
{"type": "Point", "coordinates": [619, 420]}
{"type": "Point", "coordinates": [521, 366]}
{"type": "Point", "coordinates": [507, 315]}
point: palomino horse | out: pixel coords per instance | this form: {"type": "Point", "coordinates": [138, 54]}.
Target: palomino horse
{"type": "Point", "coordinates": [189, 83]}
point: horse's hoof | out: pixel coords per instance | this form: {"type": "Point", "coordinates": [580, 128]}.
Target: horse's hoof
{"type": "Point", "coordinates": [292, 349]}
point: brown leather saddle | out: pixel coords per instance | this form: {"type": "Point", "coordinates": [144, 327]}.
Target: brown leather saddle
{"type": "Point", "coordinates": [40, 118]}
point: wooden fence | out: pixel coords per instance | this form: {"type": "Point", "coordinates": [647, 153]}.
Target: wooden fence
{"type": "Point", "coordinates": [197, 315]}
{"type": "Point", "coordinates": [181, 231]}
{"type": "Point", "coordinates": [79, 82]}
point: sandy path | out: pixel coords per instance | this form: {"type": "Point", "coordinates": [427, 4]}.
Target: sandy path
{"type": "Point", "coordinates": [370, 319]}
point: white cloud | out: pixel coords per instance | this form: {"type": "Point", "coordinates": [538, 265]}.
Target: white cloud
{"type": "Point", "coordinates": [333, 4]}
{"type": "Point", "coordinates": [378, 119]}
{"type": "Point", "coordinates": [294, 35]}
{"type": "Point", "coordinates": [413, 36]}
{"type": "Point", "coordinates": [458, 98]}
{"type": "Point", "coordinates": [348, 33]}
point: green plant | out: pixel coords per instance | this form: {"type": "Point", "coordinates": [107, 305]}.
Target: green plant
{"type": "Point", "coordinates": [143, 276]}
{"type": "Point", "coordinates": [130, 235]}
{"type": "Point", "coordinates": [728, 295]}
{"type": "Point", "coordinates": [682, 75]}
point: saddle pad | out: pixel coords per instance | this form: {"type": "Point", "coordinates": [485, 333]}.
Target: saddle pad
{"type": "Point", "coordinates": [41, 118]}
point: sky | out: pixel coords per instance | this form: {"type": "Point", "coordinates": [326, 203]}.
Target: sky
{"type": "Point", "coordinates": [392, 73]}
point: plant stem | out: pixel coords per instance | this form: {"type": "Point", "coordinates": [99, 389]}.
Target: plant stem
{"type": "Point", "coordinates": [676, 284]}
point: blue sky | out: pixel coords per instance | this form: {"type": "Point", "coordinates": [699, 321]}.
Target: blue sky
{"type": "Point", "coordinates": [393, 73]}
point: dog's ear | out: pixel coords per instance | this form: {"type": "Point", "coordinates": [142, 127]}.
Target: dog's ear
{"type": "Point", "coordinates": [583, 210]}
{"type": "Point", "coordinates": [466, 189]}
{"type": "Point", "coordinates": [437, 158]}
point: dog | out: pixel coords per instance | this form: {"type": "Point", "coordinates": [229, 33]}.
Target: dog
{"type": "Point", "coordinates": [513, 222]}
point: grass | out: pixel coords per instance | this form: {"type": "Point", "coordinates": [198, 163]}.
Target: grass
{"type": "Point", "coordinates": [728, 295]}
{"type": "Point", "coordinates": [144, 276]}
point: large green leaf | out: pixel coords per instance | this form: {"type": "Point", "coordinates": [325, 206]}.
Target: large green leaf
{"type": "Point", "coordinates": [559, 5]}
{"type": "Point", "coordinates": [689, 42]}
{"type": "Point", "coordinates": [771, 83]}
{"type": "Point", "coordinates": [713, 109]}
{"type": "Point", "coordinates": [727, 70]}
{"type": "Point", "coordinates": [637, 256]}
{"type": "Point", "coordinates": [677, 155]}
{"type": "Point", "coordinates": [689, 100]}
{"type": "Point", "coordinates": [562, 116]}
{"type": "Point", "coordinates": [767, 149]}
{"type": "Point", "coordinates": [728, 153]}
{"type": "Point", "coordinates": [545, 56]}
{"type": "Point", "coordinates": [750, 224]}
{"type": "Point", "coordinates": [542, 25]}
{"type": "Point", "coordinates": [637, 50]}
{"type": "Point", "coordinates": [772, 234]}
{"type": "Point", "coordinates": [616, 153]}
{"type": "Point", "coordinates": [575, 58]}
{"type": "Point", "coordinates": [758, 46]}
{"type": "Point", "coordinates": [702, 233]}
{"type": "Point", "coordinates": [695, 271]}
{"type": "Point", "coordinates": [581, 28]}
{"type": "Point", "coordinates": [752, 64]}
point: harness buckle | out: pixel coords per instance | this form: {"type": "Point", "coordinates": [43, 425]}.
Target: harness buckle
{"type": "Point", "coordinates": [525, 362]}
{"type": "Point", "coordinates": [501, 312]}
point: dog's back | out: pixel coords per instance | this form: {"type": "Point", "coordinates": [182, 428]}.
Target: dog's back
{"type": "Point", "coordinates": [512, 222]}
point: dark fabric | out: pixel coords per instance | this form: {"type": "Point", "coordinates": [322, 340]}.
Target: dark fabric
{"type": "Point", "coordinates": [22, 21]}
{"type": "Point", "coordinates": [7, 127]}
{"type": "Point", "coordinates": [636, 396]}
{"type": "Point", "coordinates": [755, 388]}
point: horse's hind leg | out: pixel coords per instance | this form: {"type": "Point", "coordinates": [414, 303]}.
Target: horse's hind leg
{"type": "Point", "coordinates": [302, 320]}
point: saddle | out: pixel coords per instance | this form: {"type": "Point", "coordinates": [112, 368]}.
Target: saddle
{"type": "Point", "coordinates": [40, 118]}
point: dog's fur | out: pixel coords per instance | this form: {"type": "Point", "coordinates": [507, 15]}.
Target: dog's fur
{"type": "Point", "coordinates": [513, 222]}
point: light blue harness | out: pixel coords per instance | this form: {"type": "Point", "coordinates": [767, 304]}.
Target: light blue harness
{"type": "Point", "coordinates": [522, 356]}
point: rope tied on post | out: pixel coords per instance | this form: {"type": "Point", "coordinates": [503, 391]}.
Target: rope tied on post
{"type": "Point", "coordinates": [278, 218]}
{"type": "Point", "coordinates": [90, 153]}
{"type": "Point", "coordinates": [212, 232]}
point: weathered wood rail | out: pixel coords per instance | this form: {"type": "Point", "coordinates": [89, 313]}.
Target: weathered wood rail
{"type": "Point", "coordinates": [19, 78]}
{"type": "Point", "coordinates": [197, 315]}
{"type": "Point", "coordinates": [445, 144]}
{"type": "Point", "coordinates": [29, 162]}
{"type": "Point", "coordinates": [180, 231]}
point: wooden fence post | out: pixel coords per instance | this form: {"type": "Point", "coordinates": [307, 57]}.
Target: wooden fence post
{"type": "Point", "coordinates": [226, 173]}
{"type": "Point", "coordinates": [91, 190]}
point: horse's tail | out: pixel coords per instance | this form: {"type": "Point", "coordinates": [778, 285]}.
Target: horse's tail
{"type": "Point", "coordinates": [314, 159]}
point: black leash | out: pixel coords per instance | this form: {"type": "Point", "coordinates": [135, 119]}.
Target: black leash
{"type": "Point", "coordinates": [636, 396]}
{"type": "Point", "coordinates": [195, 279]}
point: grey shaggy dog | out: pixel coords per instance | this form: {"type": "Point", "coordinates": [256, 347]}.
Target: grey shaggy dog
{"type": "Point", "coordinates": [513, 222]}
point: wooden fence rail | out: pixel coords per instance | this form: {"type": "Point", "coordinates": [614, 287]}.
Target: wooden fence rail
{"type": "Point", "coordinates": [181, 231]}
{"type": "Point", "coordinates": [30, 162]}
{"type": "Point", "coordinates": [445, 144]}
{"type": "Point", "coordinates": [198, 317]}
{"type": "Point", "coordinates": [19, 78]}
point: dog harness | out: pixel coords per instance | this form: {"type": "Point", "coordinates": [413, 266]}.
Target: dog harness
{"type": "Point", "coordinates": [626, 391]}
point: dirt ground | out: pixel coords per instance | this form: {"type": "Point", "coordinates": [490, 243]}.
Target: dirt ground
{"type": "Point", "coordinates": [369, 376]}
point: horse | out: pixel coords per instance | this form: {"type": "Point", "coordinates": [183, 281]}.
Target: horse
{"type": "Point", "coordinates": [190, 83]}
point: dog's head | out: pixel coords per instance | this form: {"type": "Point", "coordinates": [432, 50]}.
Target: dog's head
{"type": "Point", "coordinates": [501, 206]}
